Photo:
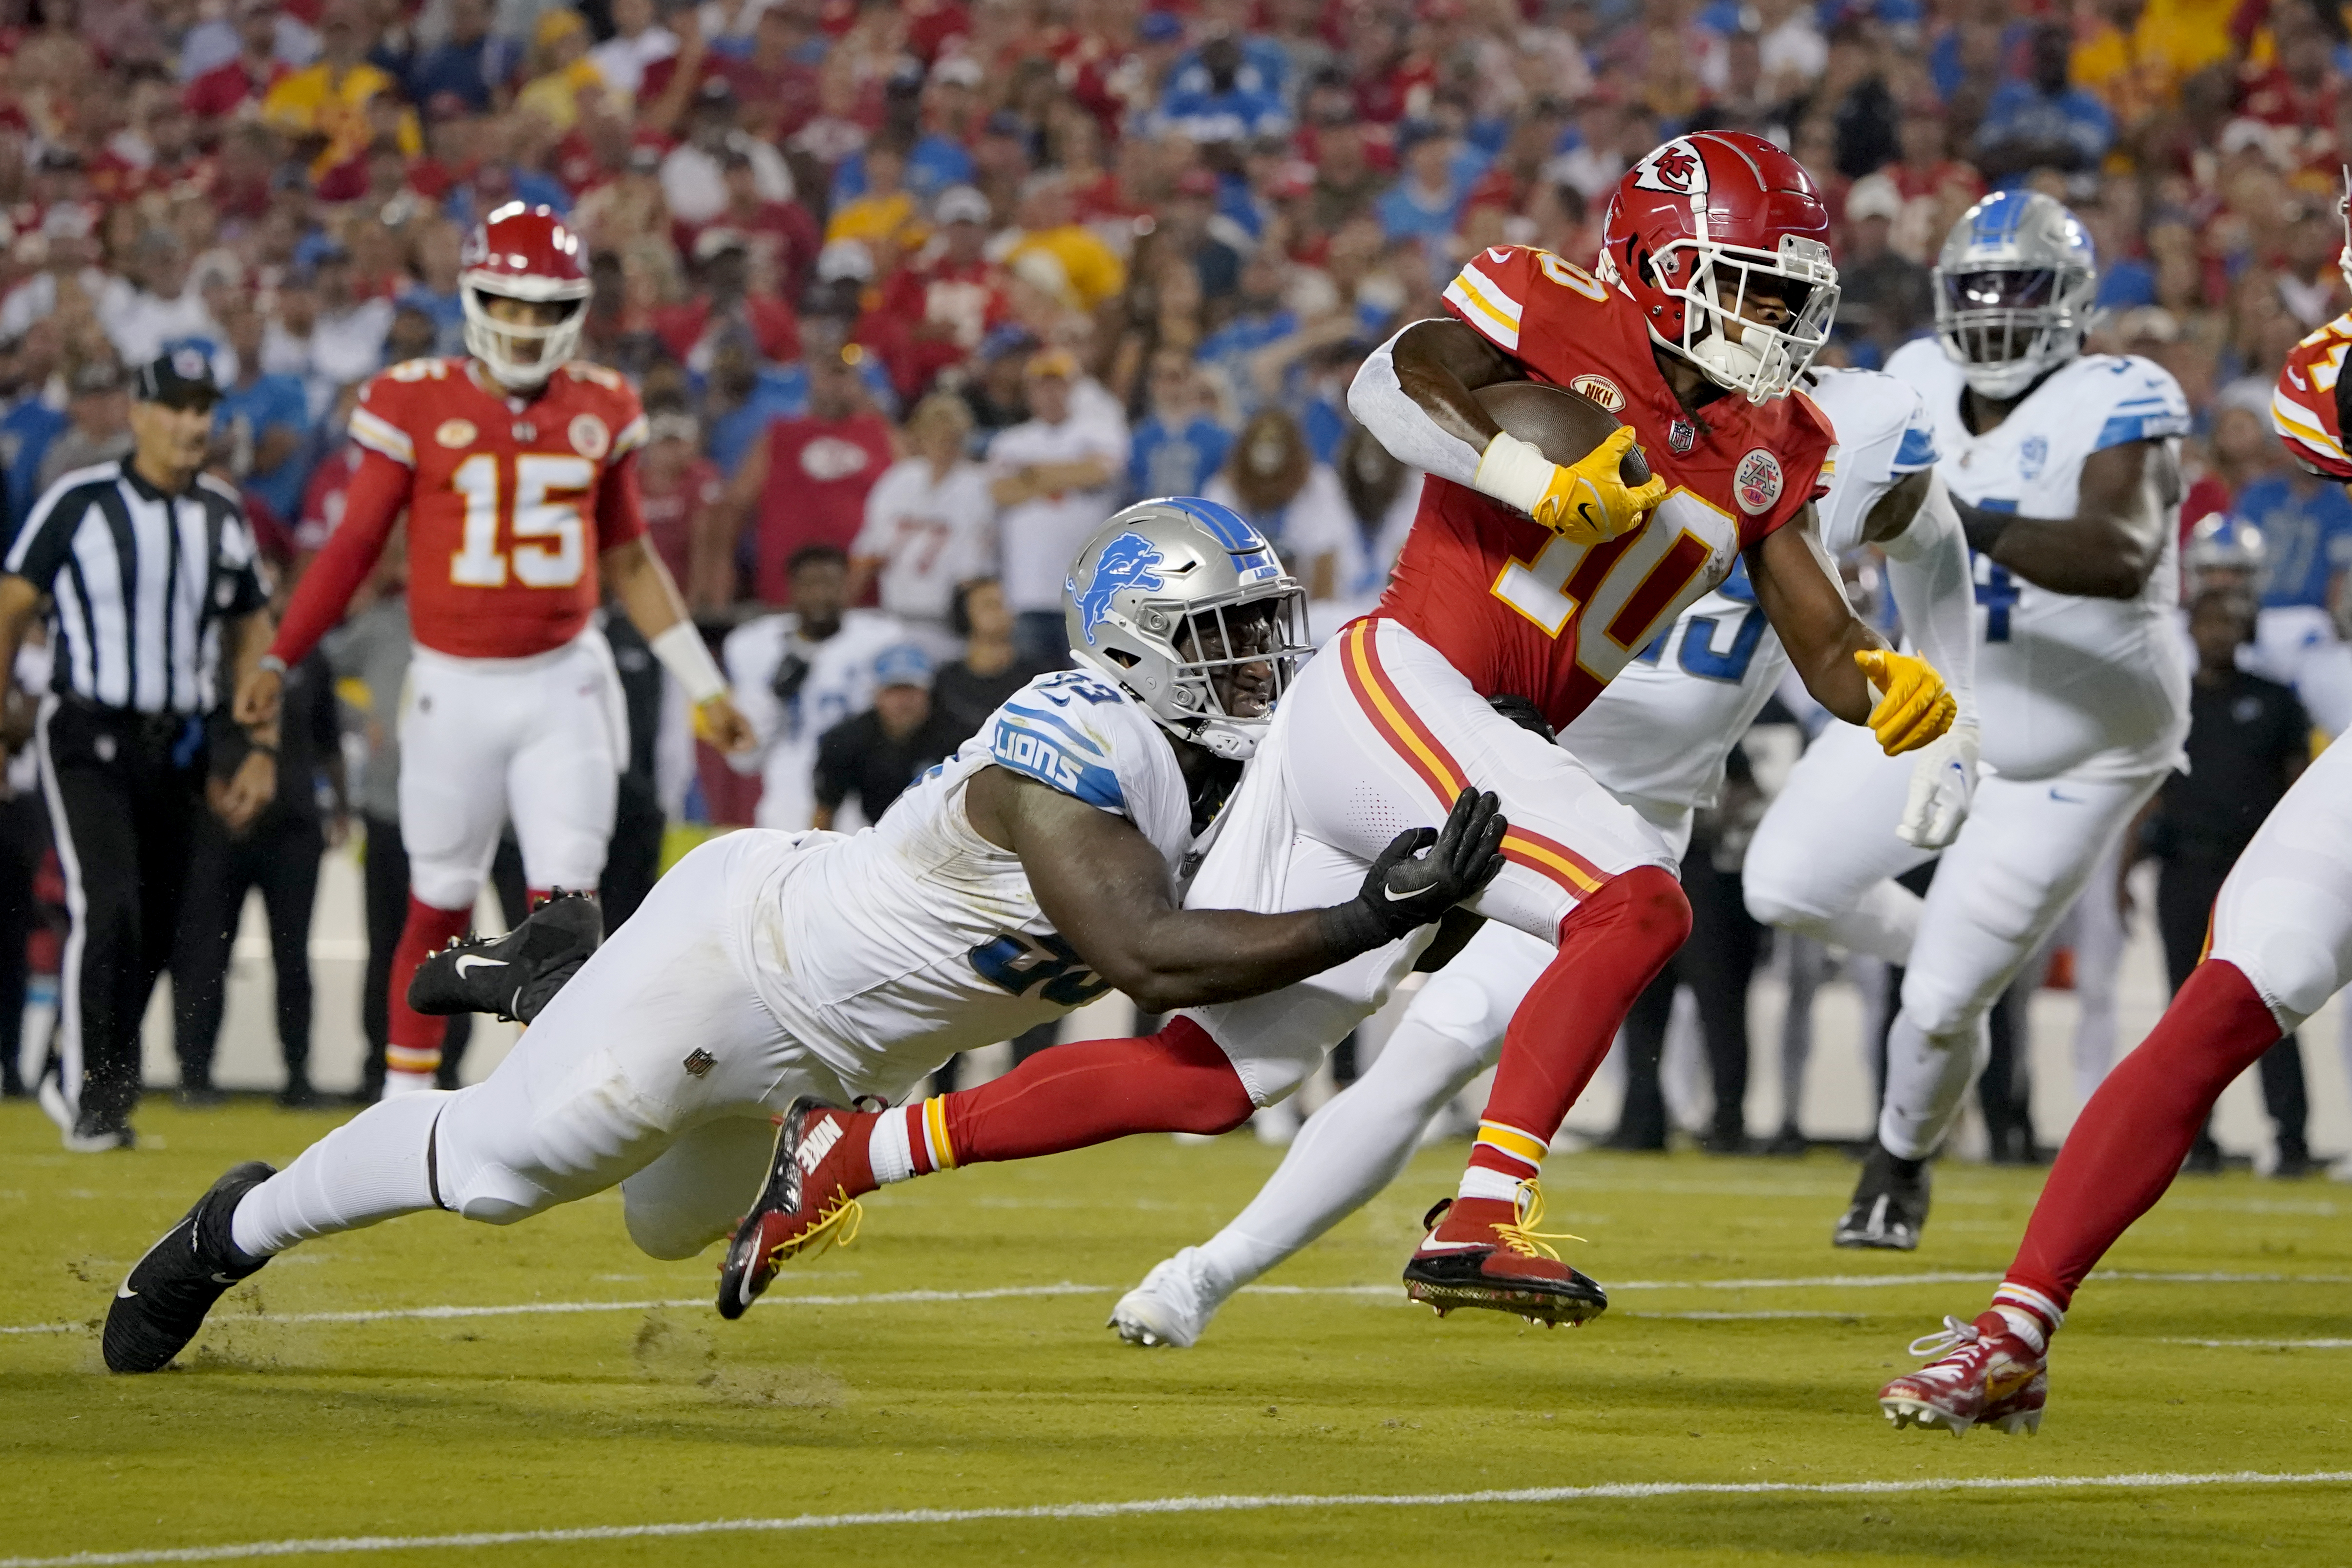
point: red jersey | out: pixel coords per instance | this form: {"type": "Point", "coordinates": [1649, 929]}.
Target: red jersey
{"type": "Point", "coordinates": [819, 471]}
{"type": "Point", "coordinates": [510, 502]}
{"type": "Point", "coordinates": [1519, 610]}
{"type": "Point", "coordinates": [670, 515]}
{"type": "Point", "coordinates": [2307, 409]}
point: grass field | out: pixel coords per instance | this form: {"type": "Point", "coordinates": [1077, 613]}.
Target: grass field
{"type": "Point", "coordinates": [609, 1396]}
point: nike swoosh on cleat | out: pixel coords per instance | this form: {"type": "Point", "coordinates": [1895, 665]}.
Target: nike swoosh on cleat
{"type": "Point", "coordinates": [475, 960]}
{"type": "Point", "coordinates": [123, 1292]}
{"type": "Point", "coordinates": [224, 1279]}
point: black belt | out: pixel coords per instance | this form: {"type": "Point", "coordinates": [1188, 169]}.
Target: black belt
{"type": "Point", "coordinates": [180, 733]}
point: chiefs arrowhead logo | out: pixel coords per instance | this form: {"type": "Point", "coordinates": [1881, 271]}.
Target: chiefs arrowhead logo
{"type": "Point", "coordinates": [1675, 167]}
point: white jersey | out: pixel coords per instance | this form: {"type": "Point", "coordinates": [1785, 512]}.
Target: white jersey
{"type": "Point", "coordinates": [839, 686]}
{"type": "Point", "coordinates": [918, 938]}
{"type": "Point", "coordinates": [2065, 684]}
{"type": "Point", "coordinates": [1662, 728]}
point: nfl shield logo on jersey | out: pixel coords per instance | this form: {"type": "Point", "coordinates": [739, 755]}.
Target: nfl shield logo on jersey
{"type": "Point", "coordinates": [2032, 456]}
{"type": "Point", "coordinates": [1681, 436]}
{"type": "Point", "coordinates": [1126, 562]}
{"type": "Point", "coordinates": [1676, 168]}
{"type": "Point", "coordinates": [1756, 481]}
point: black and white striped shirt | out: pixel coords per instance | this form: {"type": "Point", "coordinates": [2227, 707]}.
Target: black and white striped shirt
{"type": "Point", "coordinates": [140, 581]}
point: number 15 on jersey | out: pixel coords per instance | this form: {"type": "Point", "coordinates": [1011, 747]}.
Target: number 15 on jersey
{"type": "Point", "coordinates": [545, 538]}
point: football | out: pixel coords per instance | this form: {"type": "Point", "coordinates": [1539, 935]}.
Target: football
{"type": "Point", "coordinates": [1562, 424]}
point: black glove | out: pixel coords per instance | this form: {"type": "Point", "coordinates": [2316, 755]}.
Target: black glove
{"type": "Point", "coordinates": [1423, 873]}
{"type": "Point", "coordinates": [792, 674]}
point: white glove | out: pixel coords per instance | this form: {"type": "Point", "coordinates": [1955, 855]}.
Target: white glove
{"type": "Point", "coordinates": [1943, 782]}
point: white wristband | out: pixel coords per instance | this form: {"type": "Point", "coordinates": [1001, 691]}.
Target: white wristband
{"type": "Point", "coordinates": [682, 653]}
{"type": "Point", "coordinates": [1515, 473]}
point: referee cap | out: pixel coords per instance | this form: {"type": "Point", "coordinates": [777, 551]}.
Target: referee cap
{"type": "Point", "coordinates": [182, 378]}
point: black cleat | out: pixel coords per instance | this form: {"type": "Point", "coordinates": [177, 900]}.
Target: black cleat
{"type": "Point", "coordinates": [158, 1310]}
{"type": "Point", "coordinates": [1890, 1205]}
{"type": "Point", "coordinates": [517, 975]}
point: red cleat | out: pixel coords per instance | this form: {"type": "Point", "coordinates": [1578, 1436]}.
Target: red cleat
{"type": "Point", "coordinates": [1484, 1253]}
{"type": "Point", "coordinates": [1983, 1374]}
{"type": "Point", "coordinates": [810, 1203]}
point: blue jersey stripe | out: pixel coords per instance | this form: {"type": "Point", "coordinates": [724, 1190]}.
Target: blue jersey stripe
{"type": "Point", "coordinates": [1917, 451]}
{"type": "Point", "coordinates": [2123, 427]}
{"type": "Point", "coordinates": [1093, 746]}
{"type": "Point", "coordinates": [1034, 756]}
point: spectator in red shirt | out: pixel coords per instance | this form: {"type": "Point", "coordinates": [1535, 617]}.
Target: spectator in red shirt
{"type": "Point", "coordinates": [781, 237]}
{"type": "Point", "coordinates": [805, 483]}
{"type": "Point", "coordinates": [722, 300]}
{"type": "Point", "coordinates": [680, 490]}
{"type": "Point", "coordinates": [951, 295]}
{"type": "Point", "coordinates": [221, 92]}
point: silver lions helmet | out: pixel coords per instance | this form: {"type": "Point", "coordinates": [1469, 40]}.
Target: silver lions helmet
{"type": "Point", "coordinates": [1184, 605]}
{"type": "Point", "coordinates": [2014, 285]}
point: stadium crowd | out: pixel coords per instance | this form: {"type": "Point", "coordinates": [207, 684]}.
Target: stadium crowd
{"type": "Point", "coordinates": [916, 294]}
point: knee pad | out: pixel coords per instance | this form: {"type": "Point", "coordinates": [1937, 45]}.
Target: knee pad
{"type": "Point", "coordinates": [495, 1195]}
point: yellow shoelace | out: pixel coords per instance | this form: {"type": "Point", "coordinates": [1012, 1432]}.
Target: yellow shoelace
{"type": "Point", "coordinates": [1521, 1235]}
{"type": "Point", "coordinates": [837, 1221]}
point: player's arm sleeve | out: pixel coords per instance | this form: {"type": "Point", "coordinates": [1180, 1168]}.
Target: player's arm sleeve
{"type": "Point", "coordinates": [1063, 747]}
{"type": "Point", "coordinates": [620, 504]}
{"type": "Point", "coordinates": [372, 505]}
{"type": "Point", "coordinates": [2303, 422]}
{"type": "Point", "coordinates": [1927, 568]}
{"type": "Point", "coordinates": [1380, 404]}
{"type": "Point", "coordinates": [39, 550]}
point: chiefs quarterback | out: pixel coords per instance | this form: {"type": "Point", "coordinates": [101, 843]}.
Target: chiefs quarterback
{"type": "Point", "coordinates": [516, 467]}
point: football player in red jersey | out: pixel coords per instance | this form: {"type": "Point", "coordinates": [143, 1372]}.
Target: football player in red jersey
{"type": "Point", "coordinates": [1527, 585]}
{"type": "Point", "coordinates": [516, 468]}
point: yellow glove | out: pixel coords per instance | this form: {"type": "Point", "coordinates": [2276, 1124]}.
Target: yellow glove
{"type": "Point", "coordinates": [1586, 501]}
{"type": "Point", "coordinates": [1914, 707]}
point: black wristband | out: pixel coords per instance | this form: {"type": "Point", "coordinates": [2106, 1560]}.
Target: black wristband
{"type": "Point", "coordinates": [1352, 928]}
{"type": "Point", "coordinates": [1982, 526]}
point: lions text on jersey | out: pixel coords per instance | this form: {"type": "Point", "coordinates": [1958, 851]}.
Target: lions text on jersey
{"type": "Point", "coordinates": [888, 952]}
{"type": "Point", "coordinates": [1661, 730]}
{"type": "Point", "coordinates": [2091, 687]}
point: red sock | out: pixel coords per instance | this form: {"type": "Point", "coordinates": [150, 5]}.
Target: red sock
{"type": "Point", "coordinates": [1611, 948]}
{"type": "Point", "coordinates": [1087, 1092]}
{"type": "Point", "coordinates": [414, 1040]}
{"type": "Point", "coordinates": [2127, 1144]}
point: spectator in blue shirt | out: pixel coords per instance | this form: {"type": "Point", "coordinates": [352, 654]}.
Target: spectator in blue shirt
{"type": "Point", "coordinates": [1426, 205]}
{"type": "Point", "coordinates": [2043, 122]}
{"type": "Point", "coordinates": [2307, 532]}
{"type": "Point", "coordinates": [262, 418]}
{"type": "Point", "coordinates": [34, 417]}
{"type": "Point", "coordinates": [1216, 104]}
{"type": "Point", "coordinates": [934, 161]}
{"type": "Point", "coordinates": [468, 64]}
{"type": "Point", "coordinates": [1177, 448]}
{"type": "Point", "coordinates": [1261, 321]}
{"type": "Point", "coordinates": [434, 291]}
{"type": "Point", "coordinates": [1265, 65]}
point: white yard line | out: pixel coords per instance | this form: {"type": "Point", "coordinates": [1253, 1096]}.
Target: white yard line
{"type": "Point", "coordinates": [1383, 1292]}
{"type": "Point", "coordinates": [1634, 1491]}
{"type": "Point", "coordinates": [2264, 1343]}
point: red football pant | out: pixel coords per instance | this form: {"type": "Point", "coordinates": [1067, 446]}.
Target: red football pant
{"type": "Point", "coordinates": [2127, 1144]}
{"type": "Point", "coordinates": [1612, 946]}
{"type": "Point", "coordinates": [414, 1040]}
{"type": "Point", "coordinates": [1093, 1090]}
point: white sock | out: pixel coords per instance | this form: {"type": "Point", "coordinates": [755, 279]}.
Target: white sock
{"type": "Point", "coordinates": [1928, 1081]}
{"type": "Point", "coordinates": [888, 1149]}
{"type": "Point", "coordinates": [2031, 1315]}
{"type": "Point", "coordinates": [1347, 1152]}
{"type": "Point", "coordinates": [397, 1084]}
{"type": "Point", "coordinates": [370, 1168]}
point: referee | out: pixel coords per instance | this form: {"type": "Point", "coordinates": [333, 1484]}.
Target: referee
{"type": "Point", "coordinates": [150, 574]}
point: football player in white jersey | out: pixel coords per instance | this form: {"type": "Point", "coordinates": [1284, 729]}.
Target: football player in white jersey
{"type": "Point", "coordinates": [1657, 738]}
{"type": "Point", "coordinates": [769, 970]}
{"type": "Point", "coordinates": [2064, 467]}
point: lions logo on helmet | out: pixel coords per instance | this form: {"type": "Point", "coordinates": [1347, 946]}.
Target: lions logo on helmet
{"type": "Point", "coordinates": [1125, 562]}
{"type": "Point", "coordinates": [1186, 607]}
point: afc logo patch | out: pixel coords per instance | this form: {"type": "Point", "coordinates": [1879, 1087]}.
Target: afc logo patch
{"type": "Point", "coordinates": [2032, 456]}
{"type": "Point", "coordinates": [1676, 168]}
{"type": "Point", "coordinates": [588, 436]}
{"type": "Point", "coordinates": [1600, 389]}
{"type": "Point", "coordinates": [1756, 481]}
{"type": "Point", "coordinates": [456, 432]}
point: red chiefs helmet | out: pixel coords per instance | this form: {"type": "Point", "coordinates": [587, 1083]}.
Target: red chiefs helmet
{"type": "Point", "coordinates": [528, 254]}
{"type": "Point", "coordinates": [1693, 233]}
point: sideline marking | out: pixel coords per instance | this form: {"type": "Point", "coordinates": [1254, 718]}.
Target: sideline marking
{"type": "Point", "coordinates": [2265, 1344]}
{"type": "Point", "coordinates": [1627, 1491]}
{"type": "Point", "coordinates": [1006, 1292]}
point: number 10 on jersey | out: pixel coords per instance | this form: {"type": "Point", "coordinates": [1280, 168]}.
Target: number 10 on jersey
{"type": "Point", "coordinates": [546, 537]}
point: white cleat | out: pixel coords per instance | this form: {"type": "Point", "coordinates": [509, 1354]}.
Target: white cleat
{"type": "Point", "coordinates": [1171, 1308]}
